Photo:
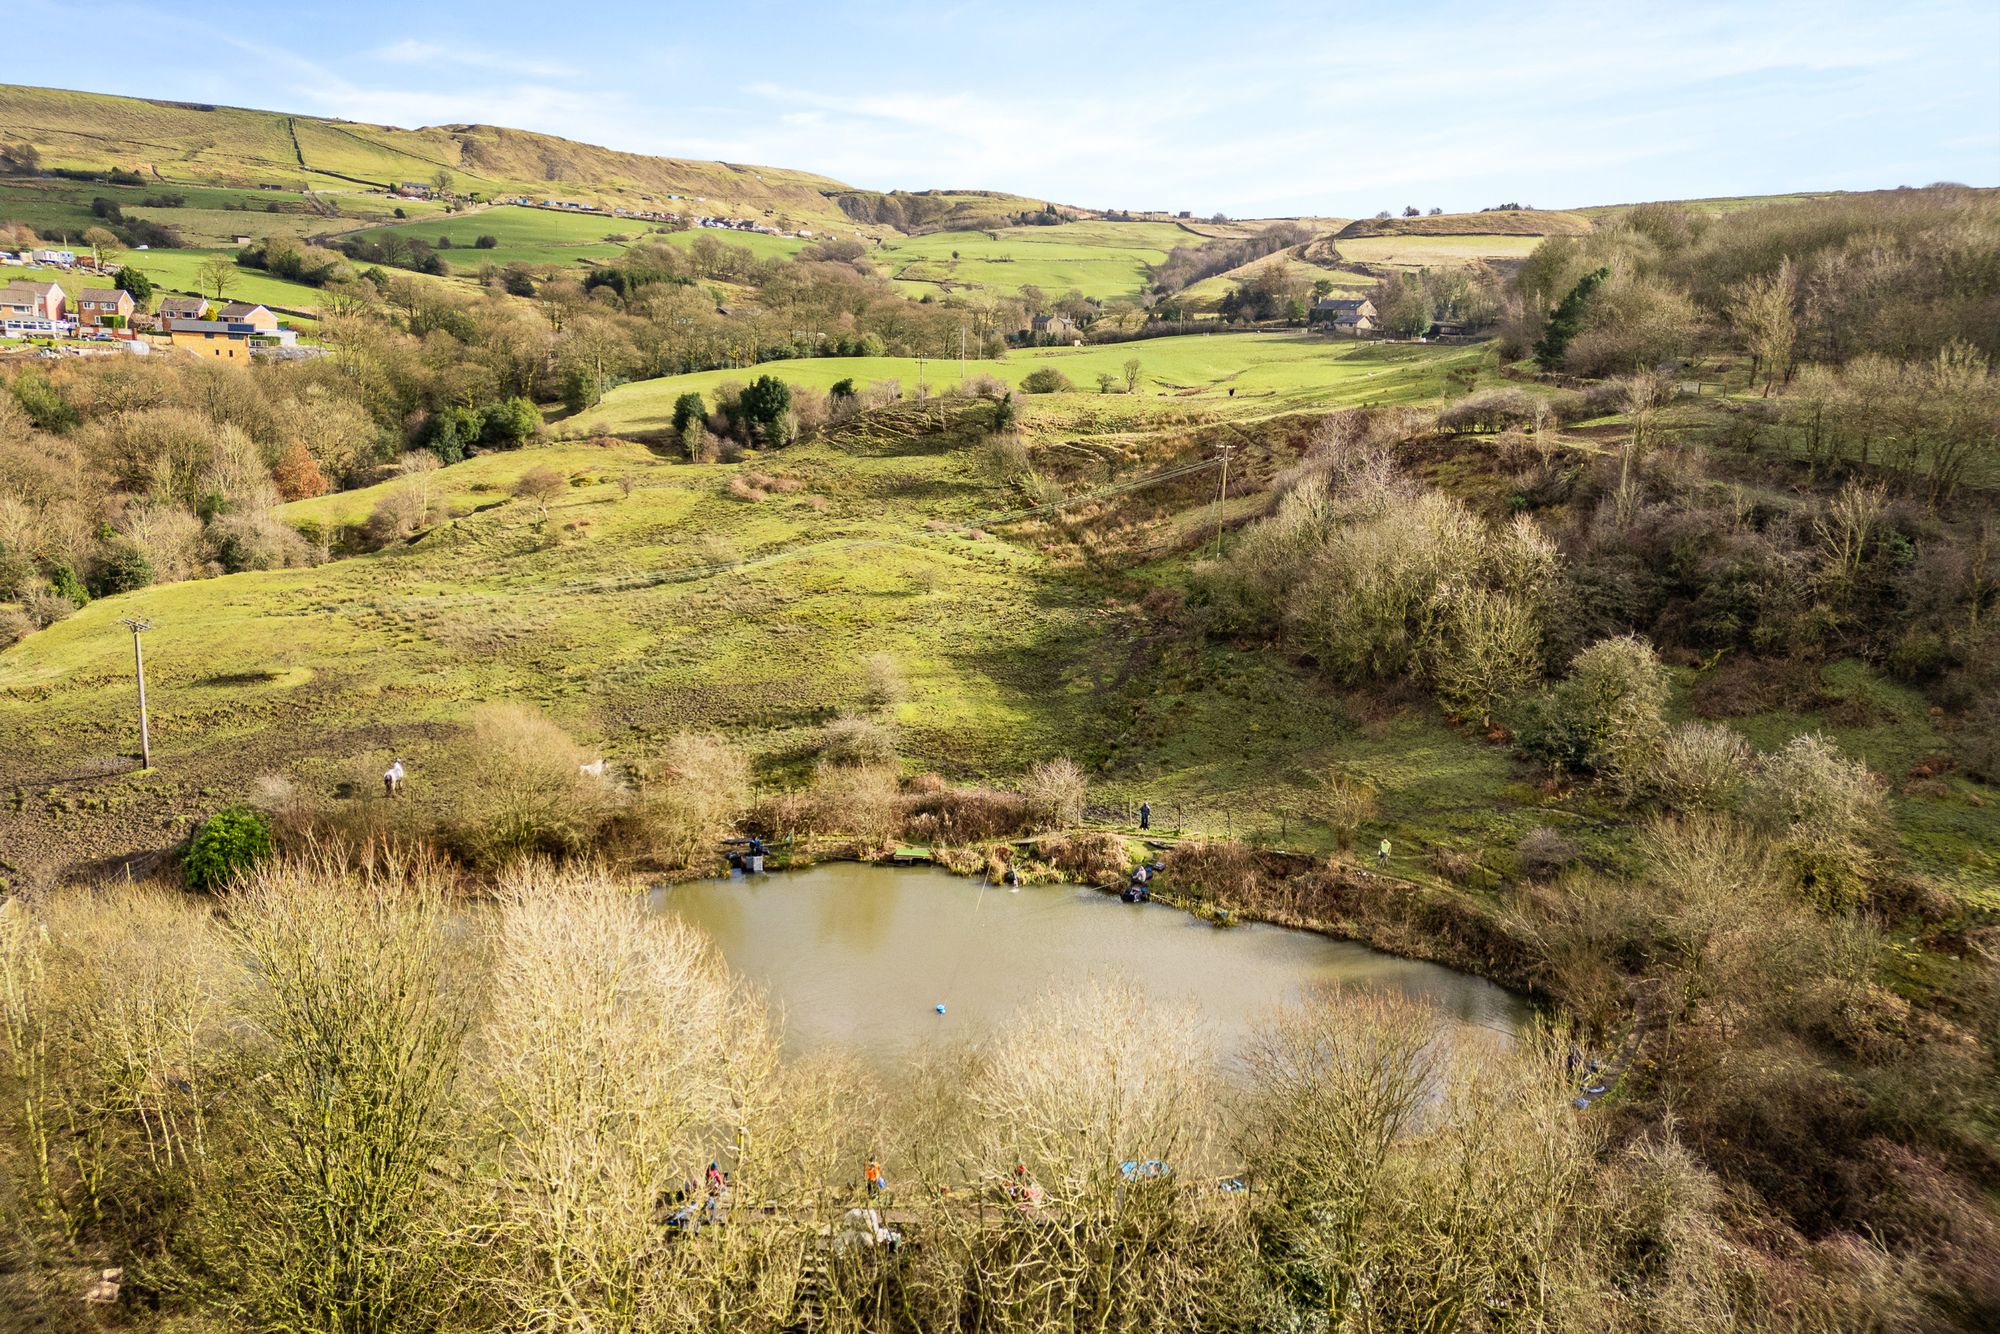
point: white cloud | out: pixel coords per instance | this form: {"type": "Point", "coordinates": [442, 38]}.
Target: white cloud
{"type": "Point", "coordinates": [409, 51]}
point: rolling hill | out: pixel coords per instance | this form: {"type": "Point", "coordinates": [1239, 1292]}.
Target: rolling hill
{"type": "Point", "coordinates": [203, 144]}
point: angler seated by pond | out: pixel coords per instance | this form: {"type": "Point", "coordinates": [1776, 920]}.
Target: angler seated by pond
{"type": "Point", "coordinates": [1141, 886]}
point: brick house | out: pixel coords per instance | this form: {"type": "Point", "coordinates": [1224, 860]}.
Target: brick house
{"type": "Point", "coordinates": [104, 308]}
{"type": "Point", "coordinates": [181, 308]}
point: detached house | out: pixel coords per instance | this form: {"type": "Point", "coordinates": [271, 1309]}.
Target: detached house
{"type": "Point", "coordinates": [181, 308]}
{"type": "Point", "coordinates": [242, 312]}
{"type": "Point", "coordinates": [236, 333]}
{"type": "Point", "coordinates": [1344, 315]}
{"type": "Point", "coordinates": [104, 308]}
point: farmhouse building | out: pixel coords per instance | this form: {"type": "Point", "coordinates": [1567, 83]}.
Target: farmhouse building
{"type": "Point", "coordinates": [104, 307]}
{"type": "Point", "coordinates": [1344, 314]}
{"type": "Point", "coordinates": [34, 301]}
{"type": "Point", "coordinates": [1055, 326]}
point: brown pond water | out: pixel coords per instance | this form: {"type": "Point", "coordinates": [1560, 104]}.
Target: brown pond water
{"type": "Point", "coordinates": [856, 955]}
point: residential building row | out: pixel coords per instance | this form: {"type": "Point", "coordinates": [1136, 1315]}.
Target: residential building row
{"type": "Point", "coordinates": [232, 332]}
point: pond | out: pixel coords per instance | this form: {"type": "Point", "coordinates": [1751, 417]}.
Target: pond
{"type": "Point", "coordinates": [859, 956]}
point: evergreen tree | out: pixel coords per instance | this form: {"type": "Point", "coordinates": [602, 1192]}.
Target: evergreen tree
{"type": "Point", "coordinates": [1566, 320]}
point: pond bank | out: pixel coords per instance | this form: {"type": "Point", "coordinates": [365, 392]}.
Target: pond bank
{"type": "Point", "coordinates": [1405, 918]}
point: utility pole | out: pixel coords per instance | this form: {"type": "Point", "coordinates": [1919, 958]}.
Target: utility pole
{"type": "Point", "coordinates": [1220, 492]}
{"type": "Point", "coordinates": [961, 353]}
{"type": "Point", "coordinates": [138, 625]}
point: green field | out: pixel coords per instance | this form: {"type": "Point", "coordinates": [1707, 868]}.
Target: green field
{"type": "Point", "coordinates": [1098, 259]}
{"type": "Point", "coordinates": [526, 236]}
{"type": "Point", "coordinates": [760, 244]}
{"type": "Point", "coordinates": [1207, 293]}
{"type": "Point", "coordinates": [1269, 372]}
{"type": "Point", "coordinates": [212, 216]}
{"type": "Point", "coordinates": [175, 270]}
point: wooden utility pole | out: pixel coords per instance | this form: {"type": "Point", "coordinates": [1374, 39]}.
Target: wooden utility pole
{"type": "Point", "coordinates": [138, 625]}
{"type": "Point", "coordinates": [1220, 492]}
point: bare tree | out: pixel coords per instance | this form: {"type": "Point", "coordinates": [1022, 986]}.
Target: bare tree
{"type": "Point", "coordinates": [216, 274]}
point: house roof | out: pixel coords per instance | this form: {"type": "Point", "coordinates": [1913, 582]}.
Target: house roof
{"type": "Point", "coordinates": [1341, 303]}
{"type": "Point", "coordinates": [183, 305]}
{"type": "Point", "coordinates": [236, 310]}
{"type": "Point", "coordinates": [110, 294]}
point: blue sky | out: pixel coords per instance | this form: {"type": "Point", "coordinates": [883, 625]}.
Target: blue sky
{"type": "Point", "coordinates": [1257, 109]}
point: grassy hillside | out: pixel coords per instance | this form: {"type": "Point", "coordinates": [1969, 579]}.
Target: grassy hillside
{"type": "Point", "coordinates": [1011, 641]}
{"type": "Point", "coordinates": [1424, 250]}
{"type": "Point", "coordinates": [1191, 374]}
{"type": "Point", "coordinates": [234, 146]}
{"type": "Point", "coordinates": [1499, 222]}
{"type": "Point", "coordinates": [525, 235]}
{"type": "Point", "coordinates": [1098, 259]}
{"type": "Point", "coordinates": [1303, 264]}
{"type": "Point", "coordinates": [1715, 206]}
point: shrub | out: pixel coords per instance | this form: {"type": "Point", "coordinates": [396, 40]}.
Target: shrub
{"type": "Point", "coordinates": [1345, 804]}
{"type": "Point", "coordinates": [449, 432]}
{"type": "Point", "coordinates": [256, 541]}
{"type": "Point", "coordinates": [933, 813]}
{"type": "Point", "coordinates": [517, 788]}
{"type": "Point", "coordinates": [44, 607]}
{"type": "Point", "coordinates": [1047, 380]}
{"type": "Point", "coordinates": [884, 686]}
{"type": "Point", "coordinates": [1004, 456]}
{"type": "Point", "coordinates": [1542, 853]}
{"type": "Point", "coordinates": [855, 799]}
{"type": "Point", "coordinates": [1057, 793]}
{"type": "Point", "coordinates": [43, 402]}
{"type": "Point", "coordinates": [690, 799]}
{"type": "Point", "coordinates": [1828, 812]}
{"type": "Point", "coordinates": [14, 626]}
{"type": "Point", "coordinates": [506, 424]}
{"type": "Point", "coordinates": [121, 567]}
{"type": "Point", "coordinates": [1089, 856]}
{"type": "Point", "coordinates": [1491, 410]}
{"type": "Point", "coordinates": [65, 583]}
{"type": "Point", "coordinates": [1702, 767]}
{"type": "Point", "coordinates": [857, 741]}
{"type": "Point", "coordinates": [227, 844]}
{"type": "Point", "coordinates": [1606, 717]}
{"type": "Point", "coordinates": [1220, 870]}
{"type": "Point", "coordinates": [484, 242]}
